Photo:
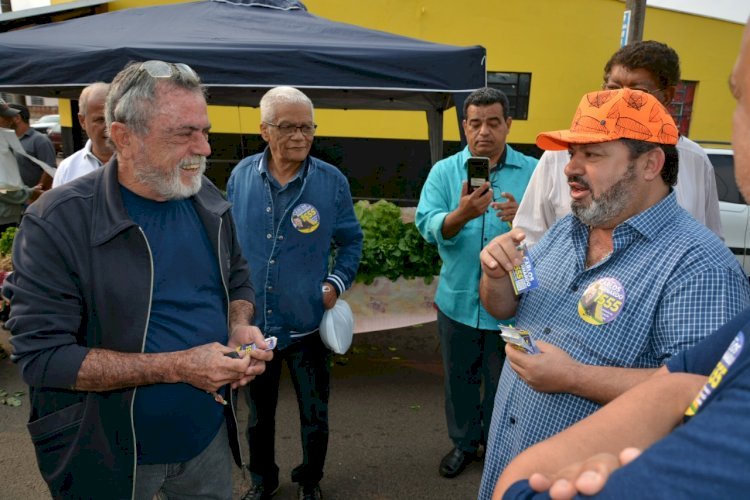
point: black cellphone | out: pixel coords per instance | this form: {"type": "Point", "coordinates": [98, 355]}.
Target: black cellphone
{"type": "Point", "coordinates": [478, 168]}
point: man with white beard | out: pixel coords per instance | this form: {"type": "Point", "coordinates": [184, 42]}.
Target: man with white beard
{"type": "Point", "coordinates": [128, 293]}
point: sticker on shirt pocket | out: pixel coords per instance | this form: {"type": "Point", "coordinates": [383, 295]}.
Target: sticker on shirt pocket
{"type": "Point", "coordinates": [602, 301]}
{"type": "Point", "coordinates": [305, 218]}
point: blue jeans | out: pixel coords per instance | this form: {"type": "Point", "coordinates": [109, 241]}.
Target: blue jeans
{"type": "Point", "coordinates": [207, 475]}
{"type": "Point", "coordinates": [309, 363]}
{"type": "Point", "coordinates": [472, 361]}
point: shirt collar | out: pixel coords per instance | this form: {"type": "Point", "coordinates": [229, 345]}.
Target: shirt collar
{"type": "Point", "coordinates": [263, 168]}
{"type": "Point", "coordinates": [648, 223]}
{"type": "Point", "coordinates": [87, 153]}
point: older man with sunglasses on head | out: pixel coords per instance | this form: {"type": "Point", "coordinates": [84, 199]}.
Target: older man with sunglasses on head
{"type": "Point", "coordinates": [294, 213]}
{"type": "Point", "coordinates": [128, 293]}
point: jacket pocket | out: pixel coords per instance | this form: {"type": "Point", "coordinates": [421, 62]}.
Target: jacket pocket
{"type": "Point", "coordinates": [53, 436]}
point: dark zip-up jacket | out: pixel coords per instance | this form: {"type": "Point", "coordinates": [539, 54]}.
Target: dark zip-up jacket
{"type": "Point", "coordinates": [83, 278]}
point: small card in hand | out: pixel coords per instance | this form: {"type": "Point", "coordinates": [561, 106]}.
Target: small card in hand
{"type": "Point", "coordinates": [519, 339]}
{"type": "Point", "coordinates": [523, 276]}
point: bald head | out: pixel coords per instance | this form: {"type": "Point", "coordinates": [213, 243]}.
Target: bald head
{"type": "Point", "coordinates": [91, 118]}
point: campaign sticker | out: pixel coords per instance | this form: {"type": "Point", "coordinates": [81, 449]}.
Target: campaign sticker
{"type": "Point", "coordinates": [305, 218]}
{"type": "Point", "coordinates": [722, 367]}
{"type": "Point", "coordinates": [602, 301]}
{"type": "Point", "coordinates": [523, 276]}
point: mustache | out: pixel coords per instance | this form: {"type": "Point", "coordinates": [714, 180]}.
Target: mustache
{"type": "Point", "coordinates": [577, 179]}
{"type": "Point", "coordinates": [193, 160]}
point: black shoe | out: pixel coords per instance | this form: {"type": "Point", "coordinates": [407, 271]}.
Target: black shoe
{"type": "Point", "coordinates": [260, 492]}
{"type": "Point", "coordinates": [309, 492]}
{"type": "Point", "coordinates": [455, 462]}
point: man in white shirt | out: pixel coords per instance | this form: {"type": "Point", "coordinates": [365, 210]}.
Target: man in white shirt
{"type": "Point", "coordinates": [651, 67]}
{"type": "Point", "coordinates": [97, 151]}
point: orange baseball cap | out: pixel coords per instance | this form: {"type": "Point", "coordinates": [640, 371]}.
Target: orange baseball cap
{"type": "Point", "coordinates": [609, 115]}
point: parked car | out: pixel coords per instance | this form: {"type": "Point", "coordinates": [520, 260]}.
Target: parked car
{"type": "Point", "coordinates": [46, 122]}
{"type": "Point", "coordinates": [735, 212]}
{"type": "Point", "coordinates": [55, 135]}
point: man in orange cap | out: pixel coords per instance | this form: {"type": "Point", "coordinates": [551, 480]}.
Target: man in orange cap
{"type": "Point", "coordinates": [660, 280]}
{"type": "Point", "coordinates": [654, 68]}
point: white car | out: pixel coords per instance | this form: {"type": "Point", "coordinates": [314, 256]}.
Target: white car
{"type": "Point", "coordinates": [46, 122]}
{"type": "Point", "coordinates": [735, 213]}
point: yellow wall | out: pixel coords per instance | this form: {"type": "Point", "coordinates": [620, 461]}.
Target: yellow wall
{"type": "Point", "coordinates": [564, 44]}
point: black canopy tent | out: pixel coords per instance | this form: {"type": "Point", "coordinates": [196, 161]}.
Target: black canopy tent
{"type": "Point", "coordinates": [240, 50]}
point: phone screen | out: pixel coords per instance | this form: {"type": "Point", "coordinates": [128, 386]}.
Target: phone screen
{"type": "Point", "coordinates": [478, 171]}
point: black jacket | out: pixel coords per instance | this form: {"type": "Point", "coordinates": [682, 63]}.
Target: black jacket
{"type": "Point", "coordinates": [82, 279]}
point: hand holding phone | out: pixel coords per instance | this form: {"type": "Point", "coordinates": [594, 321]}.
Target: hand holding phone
{"type": "Point", "coordinates": [478, 170]}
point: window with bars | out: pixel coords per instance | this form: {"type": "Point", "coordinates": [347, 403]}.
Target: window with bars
{"type": "Point", "coordinates": [517, 86]}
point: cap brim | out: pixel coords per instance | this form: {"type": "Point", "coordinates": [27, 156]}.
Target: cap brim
{"type": "Point", "coordinates": [560, 139]}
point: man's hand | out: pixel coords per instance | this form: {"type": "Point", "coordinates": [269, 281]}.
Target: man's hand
{"type": "Point", "coordinates": [552, 370]}
{"type": "Point", "coordinates": [329, 295]}
{"type": "Point", "coordinates": [470, 206]}
{"type": "Point", "coordinates": [501, 254]}
{"type": "Point", "coordinates": [206, 367]}
{"type": "Point", "coordinates": [586, 478]}
{"type": "Point", "coordinates": [257, 358]}
{"type": "Point", "coordinates": [506, 210]}
{"type": "Point", "coordinates": [474, 204]}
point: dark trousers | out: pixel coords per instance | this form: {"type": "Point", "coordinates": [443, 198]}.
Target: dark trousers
{"type": "Point", "coordinates": [472, 360]}
{"type": "Point", "coordinates": [309, 363]}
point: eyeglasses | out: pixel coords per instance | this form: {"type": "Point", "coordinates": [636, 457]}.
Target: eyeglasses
{"type": "Point", "coordinates": [287, 129]}
{"type": "Point", "coordinates": [614, 86]}
{"type": "Point", "coordinates": [157, 69]}
{"type": "Point", "coordinates": [161, 69]}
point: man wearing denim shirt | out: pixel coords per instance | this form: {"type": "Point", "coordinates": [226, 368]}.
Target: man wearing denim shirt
{"type": "Point", "coordinates": [291, 209]}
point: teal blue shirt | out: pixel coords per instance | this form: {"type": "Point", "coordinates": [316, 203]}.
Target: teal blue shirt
{"type": "Point", "coordinates": [458, 291]}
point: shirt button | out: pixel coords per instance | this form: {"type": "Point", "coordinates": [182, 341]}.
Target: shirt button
{"type": "Point", "coordinates": [281, 236]}
{"type": "Point", "coordinates": [269, 288]}
{"type": "Point", "coordinates": [272, 261]}
{"type": "Point", "coordinates": [269, 236]}
{"type": "Point", "coordinates": [512, 420]}
{"type": "Point", "coordinates": [268, 210]}
{"type": "Point", "coordinates": [269, 311]}
{"type": "Point", "coordinates": [546, 330]}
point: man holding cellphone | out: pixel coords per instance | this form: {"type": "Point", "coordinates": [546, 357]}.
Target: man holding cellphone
{"type": "Point", "coordinates": [459, 221]}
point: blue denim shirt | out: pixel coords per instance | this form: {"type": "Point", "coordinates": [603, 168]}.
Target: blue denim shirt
{"type": "Point", "coordinates": [290, 259]}
{"type": "Point", "coordinates": [458, 291]}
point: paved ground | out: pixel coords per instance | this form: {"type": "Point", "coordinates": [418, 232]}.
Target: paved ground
{"type": "Point", "coordinates": [387, 426]}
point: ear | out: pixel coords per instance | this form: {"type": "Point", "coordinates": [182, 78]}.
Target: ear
{"type": "Point", "coordinates": [264, 131]}
{"type": "Point", "coordinates": [669, 96]}
{"type": "Point", "coordinates": [653, 163]}
{"type": "Point", "coordinates": [508, 122]}
{"type": "Point", "coordinates": [464, 124]}
{"type": "Point", "coordinates": [122, 136]}
{"type": "Point", "coordinates": [82, 121]}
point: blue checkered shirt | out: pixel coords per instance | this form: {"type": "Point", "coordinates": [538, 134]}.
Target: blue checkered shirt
{"type": "Point", "coordinates": [680, 282]}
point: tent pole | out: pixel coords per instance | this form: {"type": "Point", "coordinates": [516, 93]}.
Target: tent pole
{"type": "Point", "coordinates": [435, 134]}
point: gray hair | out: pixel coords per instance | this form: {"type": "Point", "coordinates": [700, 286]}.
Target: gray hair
{"type": "Point", "coordinates": [83, 99]}
{"type": "Point", "coordinates": [132, 95]}
{"type": "Point", "coordinates": [280, 95]}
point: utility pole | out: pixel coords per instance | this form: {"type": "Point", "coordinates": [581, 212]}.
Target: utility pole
{"type": "Point", "coordinates": [632, 21]}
